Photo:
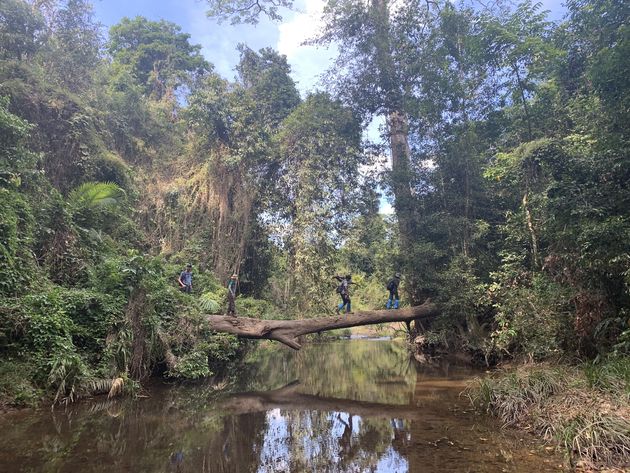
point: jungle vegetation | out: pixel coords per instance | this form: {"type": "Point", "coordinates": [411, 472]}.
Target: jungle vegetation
{"type": "Point", "coordinates": [124, 156]}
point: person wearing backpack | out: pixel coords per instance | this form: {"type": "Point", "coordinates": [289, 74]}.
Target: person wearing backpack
{"type": "Point", "coordinates": [343, 289]}
{"type": "Point", "coordinates": [392, 287]}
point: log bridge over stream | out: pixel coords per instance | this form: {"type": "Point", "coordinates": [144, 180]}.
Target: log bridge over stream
{"type": "Point", "coordinates": [289, 331]}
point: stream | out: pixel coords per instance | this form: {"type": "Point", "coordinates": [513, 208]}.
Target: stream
{"type": "Point", "coordinates": [342, 406]}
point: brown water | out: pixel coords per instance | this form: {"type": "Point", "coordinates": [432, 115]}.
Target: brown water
{"type": "Point", "coordinates": [347, 406]}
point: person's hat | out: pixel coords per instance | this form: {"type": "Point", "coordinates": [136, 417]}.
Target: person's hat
{"type": "Point", "coordinates": [189, 265]}
{"type": "Point", "coordinates": [348, 276]}
{"type": "Point", "coordinates": [397, 275]}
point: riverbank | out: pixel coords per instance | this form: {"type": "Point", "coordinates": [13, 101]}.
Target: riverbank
{"type": "Point", "coordinates": [585, 409]}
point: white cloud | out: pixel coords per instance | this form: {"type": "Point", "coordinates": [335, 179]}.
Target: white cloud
{"type": "Point", "coordinates": [302, 25]}
{"type": "Point", "coordinates": [307, 62]}
{"type": "Point", "coordinates": [219, 41]}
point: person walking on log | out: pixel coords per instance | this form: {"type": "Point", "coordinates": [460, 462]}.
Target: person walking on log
{"type": "Point", "coordinates": [231, 287]}
{"type": "Point", "coordinates": [185, 279]}
{"type": "Point", "coordinates": [392, 287]}
{"type": "Point", "coordinates": [343, 289]}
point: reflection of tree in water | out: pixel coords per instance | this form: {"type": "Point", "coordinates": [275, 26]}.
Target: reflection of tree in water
{"type": "Point", "coordinates": [318, 441]}
{"type": "Point", "coordinates": [236, 446]}
{"type": "Point", "coordinates": [337, 419]}
{"type": "Point", "coordinates": [345, 441]}
{"type": "Point", "coordinates": [362, 370]}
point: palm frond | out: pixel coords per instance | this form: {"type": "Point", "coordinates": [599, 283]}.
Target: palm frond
{"type": "Point", "coordinates": [117, 388]}
{"type": "Point", "coordinates": [95, 194]}
{"type": "Point", "coordinates": [208, 303]}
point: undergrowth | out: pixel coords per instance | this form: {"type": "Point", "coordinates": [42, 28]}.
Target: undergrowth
{"type": "Point", "coordinates": [584, 409]}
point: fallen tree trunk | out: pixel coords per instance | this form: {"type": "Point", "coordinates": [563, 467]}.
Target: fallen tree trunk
{"type": "Point", "coordinates": [288, 331]}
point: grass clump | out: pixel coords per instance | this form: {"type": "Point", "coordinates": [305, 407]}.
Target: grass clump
{"type": "Point", "coordinates": [511, 396]}
{"type": "Point", "coordinates": [597, 438]}
{"type": "Point", "coordinates": [584, 409]}
{"type": "Point", "coordinates": [611, 376]}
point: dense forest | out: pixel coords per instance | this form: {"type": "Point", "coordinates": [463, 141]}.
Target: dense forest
{"type": "Point", "coordinates": [124, 156]}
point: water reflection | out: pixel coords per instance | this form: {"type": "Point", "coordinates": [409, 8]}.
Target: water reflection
{"type": "Point", "coordinates": [352, 406]}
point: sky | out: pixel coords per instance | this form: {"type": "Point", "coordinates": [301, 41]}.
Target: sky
{"type": "Point", "coordinates": [219, 41]}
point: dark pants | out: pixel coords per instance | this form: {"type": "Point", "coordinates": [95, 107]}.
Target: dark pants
{"type": "Point", "coordinates": [231, 304]}
{"type": "Point", "coordinates": [186, 289]}
{"type": "Point", "coordinates": [345, 302]}
{"type": "Point", "coordinates": [393, 300]}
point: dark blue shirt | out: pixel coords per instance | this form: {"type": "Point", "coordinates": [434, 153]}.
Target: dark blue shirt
{"type": "Point", "coordinates": [186, 278]}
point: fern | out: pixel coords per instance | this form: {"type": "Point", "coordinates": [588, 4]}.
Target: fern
{"type": "Point", "coordinates": [95, 194]}
{"type": "Point", "coordinates": [208, 303]}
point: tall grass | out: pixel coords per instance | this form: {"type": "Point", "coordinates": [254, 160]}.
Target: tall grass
{"type": "Point", "coordinates": [586, 410]}
{"type": "Point", "coordinates": [611, 375]}
{"type": "Point", "coordinates": [511, 397]}
{"type": "Point", "coordinates": [598, 439]}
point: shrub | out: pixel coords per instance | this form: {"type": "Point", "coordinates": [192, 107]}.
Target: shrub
{"type": "Point", "coordinates": [533, 316]}
{"type": "Point", "coordinates": [258, 308]}
{"type": "Point", "coordinates": [16, 385]}
{"type": "Point", "coordinates": [16, 224]}
{"type": "Point", "coordinates": [192, 365]}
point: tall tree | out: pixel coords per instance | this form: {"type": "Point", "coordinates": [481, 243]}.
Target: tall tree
{"type": "Point", "coordinates": [266, 75]}
{"type": "Point", "coordinates": [158, 54]}
{"type": "Point", "coordinates": [317, 191]}
{"type": "Point", "coordinates": [372, 75]}
{"type": "Point", "coordinates": [235, 125]}
{"type": "Point", "coordinates": [22, 30]}
{"type": "Point", "coordinates": [75, 45]}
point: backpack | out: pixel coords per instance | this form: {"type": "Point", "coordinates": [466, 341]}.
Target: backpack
{"type": "Point", "coordinates": [390, 285]}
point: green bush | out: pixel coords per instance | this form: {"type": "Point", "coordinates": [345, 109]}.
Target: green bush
{"type": "Point", "coordinates": [534, 316]}
{"type": "Point", "coordinates": [257, 308]}
{"type": "Point", "coordinates": [192, 365]}
{"type": "Point", "coordinates": [16, 384]}
{"type": "Point", "coordinates": [16, 228]}
{"type": "Point", "coordinates": [211, 302]}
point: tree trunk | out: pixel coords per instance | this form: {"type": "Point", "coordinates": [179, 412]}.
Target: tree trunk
{"type": "Point", "coordinates": [288, 331]}
{"type": "Point", "coordinates": [521, 89]}
{"type": "Point", "coordinates": [397, 127]}
{"type": "Point", "coordinates": [398, 137]}
{"type": "Point", "coordinates": [530, 226]}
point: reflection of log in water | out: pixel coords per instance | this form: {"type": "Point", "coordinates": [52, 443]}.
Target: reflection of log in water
{"type": "Point", "coordinates": [289, 398]}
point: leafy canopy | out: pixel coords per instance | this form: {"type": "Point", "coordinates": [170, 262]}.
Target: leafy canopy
{"type": "Point", "coordinates": [158, 53]}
